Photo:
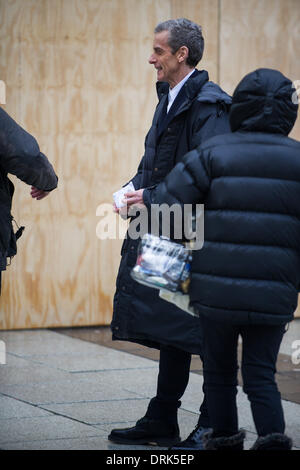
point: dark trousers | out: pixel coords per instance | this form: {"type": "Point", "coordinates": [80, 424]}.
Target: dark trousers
{"type": "Point", "coordinates": [260, 348]}
{"type": "Point", "coordinates": [173, 377]}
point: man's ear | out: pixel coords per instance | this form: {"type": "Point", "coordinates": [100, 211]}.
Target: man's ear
{"type": "Point", "coordinates": [182, 53]}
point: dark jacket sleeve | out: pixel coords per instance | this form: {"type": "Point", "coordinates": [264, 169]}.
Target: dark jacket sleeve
{"type": "Point", "coordinates": [20, 155]}
{"type": "Point", "coordinates": [187, 183]}
{"type": "Point", "coordinates": [136, 180]}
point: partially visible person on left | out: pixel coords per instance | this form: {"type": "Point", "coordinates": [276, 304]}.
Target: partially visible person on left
{"type": "Point", "coordinates": [20, 156]}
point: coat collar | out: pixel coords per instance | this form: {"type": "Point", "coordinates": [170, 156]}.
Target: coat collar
{"type": "Point", "coordinates": [190, 90]}
{"type": "Point", "coordinates": [192, 86]}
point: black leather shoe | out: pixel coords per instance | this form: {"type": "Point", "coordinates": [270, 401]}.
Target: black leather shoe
{"type": "Point", "coordinates": [147, 432]}
{"type": "Point", "coordinates": [194, 441]}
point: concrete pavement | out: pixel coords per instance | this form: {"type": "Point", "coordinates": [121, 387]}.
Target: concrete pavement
{"type": "Point", "coordinates": [59, 392]}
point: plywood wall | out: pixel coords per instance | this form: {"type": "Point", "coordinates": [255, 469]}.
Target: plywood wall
{"type": "Point", "coordinates": [77, 78]}
{"type": "Point", "coordinates": [259, 33]}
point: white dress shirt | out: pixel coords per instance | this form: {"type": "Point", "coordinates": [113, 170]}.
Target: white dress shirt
{"type": "Point", "coordinates": [173, 92]}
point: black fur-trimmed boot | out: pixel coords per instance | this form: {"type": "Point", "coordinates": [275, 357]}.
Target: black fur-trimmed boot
{"type": "Point", "coordinates": [231, 443]}
{"type": "Point", "coordinates": [275, 441]}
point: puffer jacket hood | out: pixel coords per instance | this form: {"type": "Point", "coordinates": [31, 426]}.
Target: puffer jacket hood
{"type": "Point", "coordinates": [262, 102]}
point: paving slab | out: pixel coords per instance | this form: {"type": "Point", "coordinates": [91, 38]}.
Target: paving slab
{"type": "Point", "coordinates": [57, 345]}
{"type": "Point", "coordinates": [68, 391]}
{"type": "Point", "coordinates": [140, 382]}
{"type": "Point", "coordinates": [86, 443]}
{"type": "Point", "coordinates": [16, 336]}
{"type": "Point", "coordinates": [31, 373]}
{"type": "Point", "coordinates": [12, 408]}
{"type": "Point", "coordinates": [16, 361]}
{"type": "Point", "coordinates": [119, 412]}
{"type": "Point", "coordinates": [48, 427]}
{"type": "Point", "coordinates": [103, 359]}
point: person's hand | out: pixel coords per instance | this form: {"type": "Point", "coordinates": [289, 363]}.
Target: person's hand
{"type": "Point", "coordinates": [122, 211]}
{"type": "Point", "coordinates": [135, 197]}
{"type": "Point", "coordinates": [130, 199]}
{"type": "Point", "coordinates": [115, 208]}
{"type": "Point", "coordinates": [38, 193]}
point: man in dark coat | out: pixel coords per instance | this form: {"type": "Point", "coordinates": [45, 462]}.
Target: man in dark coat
{"type": "Point", "coordinates": [245, 280]}
{"type": "Point", "coordinates": [190, 110]}
{"type": "Point", "coordinates": [19, 155]}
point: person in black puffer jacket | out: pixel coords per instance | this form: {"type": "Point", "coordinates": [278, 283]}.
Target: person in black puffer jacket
{"type": "Point", "coordinates": [20, 156]}
{"type": "Point", "coordinates": [245, 280]}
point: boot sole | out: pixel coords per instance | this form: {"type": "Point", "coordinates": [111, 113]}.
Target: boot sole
{"type": "Point", "coordinates": [162, 442]}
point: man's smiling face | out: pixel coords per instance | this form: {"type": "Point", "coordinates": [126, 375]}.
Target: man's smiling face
{"type": "Point", "coordinates": [165, 62]}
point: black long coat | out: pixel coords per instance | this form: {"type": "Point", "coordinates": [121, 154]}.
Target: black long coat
{"type": "Point", "coordinates": [200, 111]}
{"type": "Point", "coordinates": [248, 271]}
{"type": "Point", "coordinates": [19, 155]}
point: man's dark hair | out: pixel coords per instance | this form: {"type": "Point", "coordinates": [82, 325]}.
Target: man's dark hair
{"type": "Point", "coordinates": [183, 32]}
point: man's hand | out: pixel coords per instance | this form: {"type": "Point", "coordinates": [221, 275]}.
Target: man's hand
{"type": "Point", "coordinates": [135, 197]}
{"type": "Point", "coordinates": [130, 199]}
{"type": "Point", "coordinates": [115, 208]}
{"type": "Point", "coordinates": [38, 193]}
{"type": "Point", "coordinates": [122, 211]}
